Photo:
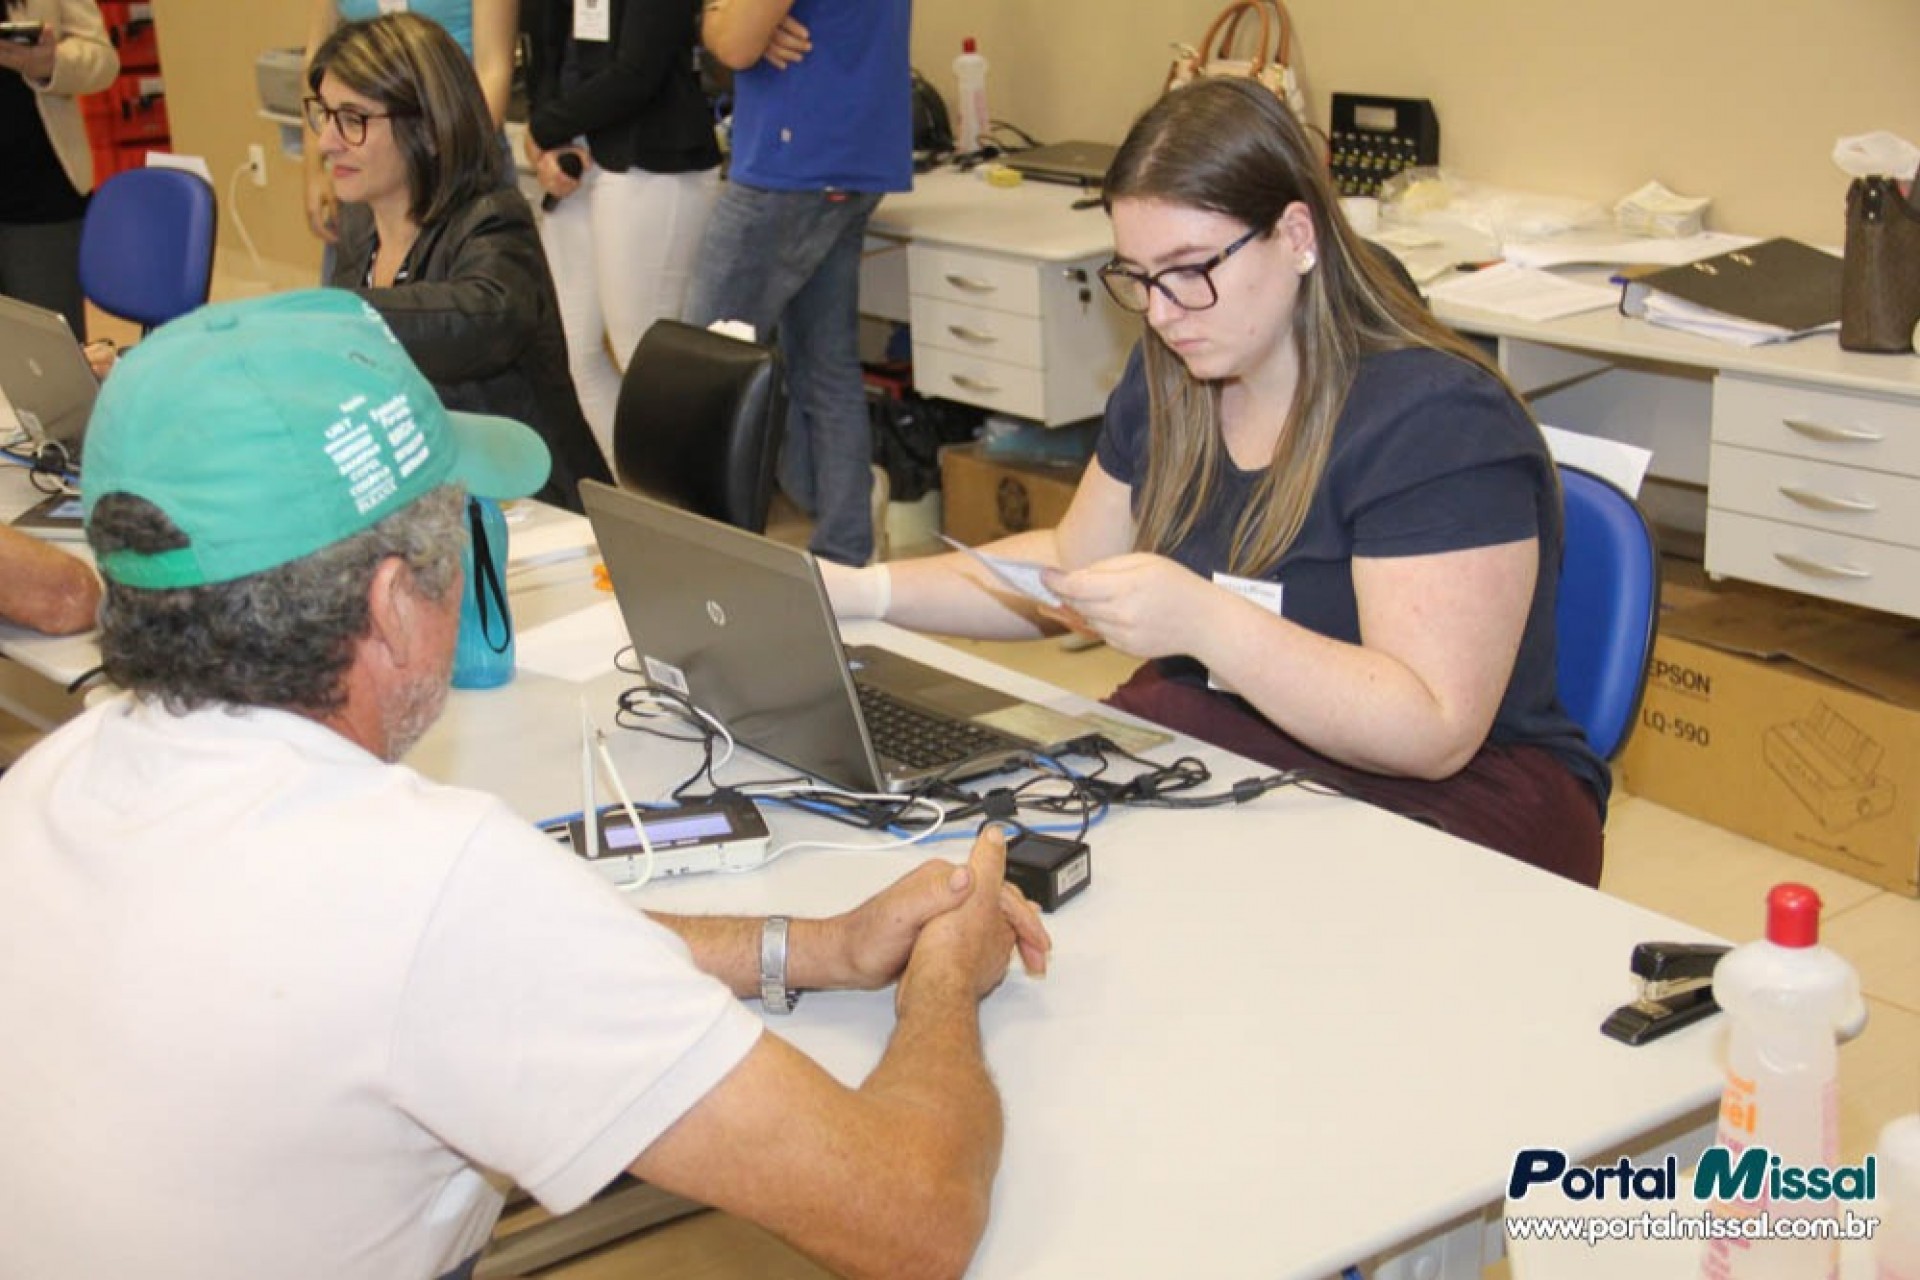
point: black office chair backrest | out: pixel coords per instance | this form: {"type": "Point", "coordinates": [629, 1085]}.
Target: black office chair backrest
{"type": "Point", "coordinates": [698, 423]}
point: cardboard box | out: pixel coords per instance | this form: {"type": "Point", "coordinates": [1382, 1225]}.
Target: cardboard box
{"type": "Point", "coordinates": [986, 498]}
{"type": "Point", "coordinates": [1792, 721]}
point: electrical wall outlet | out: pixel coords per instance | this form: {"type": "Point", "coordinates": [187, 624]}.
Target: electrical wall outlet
{"type": "Point", "coordinates": [257, 164]}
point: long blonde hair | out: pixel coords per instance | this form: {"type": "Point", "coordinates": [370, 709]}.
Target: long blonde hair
{"type": "Point", "coordinates": [1231, 147]}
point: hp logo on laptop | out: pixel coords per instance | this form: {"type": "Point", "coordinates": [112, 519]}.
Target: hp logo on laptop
{"type": "Point", "coordinates": [715, 612]}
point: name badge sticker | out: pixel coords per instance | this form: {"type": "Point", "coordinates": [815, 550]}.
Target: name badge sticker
{"type": "Point", "coordinates": [592, 20]}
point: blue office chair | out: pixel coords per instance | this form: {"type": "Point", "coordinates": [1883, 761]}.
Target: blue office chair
{"type": "Point", "coordinates": [1608, 607]}
{"type": "Point", "coordinates": [146, 246]}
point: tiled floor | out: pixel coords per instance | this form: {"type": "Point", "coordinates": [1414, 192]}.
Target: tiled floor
{"type": "Point", "coordinates": [1657, 858]}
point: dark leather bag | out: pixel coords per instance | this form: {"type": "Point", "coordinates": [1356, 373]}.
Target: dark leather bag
{"type": "Point", "coordinates": [1880, 286]}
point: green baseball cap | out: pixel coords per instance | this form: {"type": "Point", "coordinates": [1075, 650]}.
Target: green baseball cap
{"type": "Point", "coordinates": [270, 428]}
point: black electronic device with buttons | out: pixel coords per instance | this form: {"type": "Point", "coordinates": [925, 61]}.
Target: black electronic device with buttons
{"type": "Point", "coordinates": [1374, 138]}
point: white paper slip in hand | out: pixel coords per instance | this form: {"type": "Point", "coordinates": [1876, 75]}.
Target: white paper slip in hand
{"type": "Point", "coordinates": [1022, 575]}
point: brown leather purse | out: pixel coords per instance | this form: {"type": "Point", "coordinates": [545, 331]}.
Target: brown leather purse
{"type": "Point", "coordinates": [1880, 284]}
{"type": "Point", "coordinates": [1266, 58]}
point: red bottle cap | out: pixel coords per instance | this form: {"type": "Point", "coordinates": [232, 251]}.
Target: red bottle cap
{"type": "Point", "coordinates": [1793, 916]}
{"type": "Point", "coordinates": [968, 46]}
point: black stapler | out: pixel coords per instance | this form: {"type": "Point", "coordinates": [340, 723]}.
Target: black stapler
{"type": "Point", "coordinates": [1676, 990]}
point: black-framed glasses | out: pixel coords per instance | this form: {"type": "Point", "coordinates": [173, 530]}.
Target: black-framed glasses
{"type": "Point", "coordinates": [350, 120]}
{"type": "Point", "coordinates": [1188, 287]}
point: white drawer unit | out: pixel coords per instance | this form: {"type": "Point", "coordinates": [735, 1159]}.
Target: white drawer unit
{"type": "Point", "coordinates": [1874, 575]}
{"type": "Point", "coordinates": [1817, 491]}
{"type": "Point", "coordinates": [1847, 428]}
{"type": "Point", "coordinates": [1022, 336]}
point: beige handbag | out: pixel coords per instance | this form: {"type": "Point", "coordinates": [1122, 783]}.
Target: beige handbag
{"type": "Point", "coordinates": [1250, 39]}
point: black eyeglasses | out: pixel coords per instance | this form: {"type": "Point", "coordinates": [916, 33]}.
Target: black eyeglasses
{"type": "Point", "coordinates": [349, 120]}
{"type": "Point", "coordinates": [1189, 287]}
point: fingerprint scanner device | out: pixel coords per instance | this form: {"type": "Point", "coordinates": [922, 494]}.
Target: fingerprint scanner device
{"type": "Point", "coordinates": [1676, 990]}
{"type": "Point", "coordinates": [689, 839]}
{"type": "Point", "coordinates": [1047, 869]}
{"type": "Point", "coordinates": [631, 846]}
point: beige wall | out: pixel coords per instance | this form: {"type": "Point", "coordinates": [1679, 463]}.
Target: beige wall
{"type": "Point", "coordinates": [1732, 99]}
{"type": "Point", "coordinates": [207, 49]}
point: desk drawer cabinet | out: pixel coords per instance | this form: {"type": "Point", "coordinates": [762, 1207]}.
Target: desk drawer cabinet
{"type": "Point", "coordinates": [1020, 336]}
{"type": "Point", "coordinates": [1816, 491]}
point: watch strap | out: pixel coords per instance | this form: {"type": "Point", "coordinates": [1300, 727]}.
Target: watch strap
{"type": "Point", "coordinates": [774, 992]}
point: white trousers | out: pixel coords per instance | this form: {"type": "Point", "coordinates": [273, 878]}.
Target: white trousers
{"type": "Point", "coordinates": [621, 249]}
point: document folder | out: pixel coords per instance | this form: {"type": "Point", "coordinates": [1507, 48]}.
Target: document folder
{"type": "Point", "coordinates": [1779, 285]}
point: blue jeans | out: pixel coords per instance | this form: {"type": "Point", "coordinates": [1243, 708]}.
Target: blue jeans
{"type": "Point", "coordinates": [788, 263]}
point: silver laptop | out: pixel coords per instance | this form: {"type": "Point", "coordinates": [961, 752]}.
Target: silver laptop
{"type": "Point", "coordinates": [45, 376]}
{"type": "Point", "coordinates": [1082, 164]}
{"type": "Point", "coordinates": [741, 625]}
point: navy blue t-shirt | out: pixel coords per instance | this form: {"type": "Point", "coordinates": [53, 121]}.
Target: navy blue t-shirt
{"type": "Point", "coordinates": [1430, 454]}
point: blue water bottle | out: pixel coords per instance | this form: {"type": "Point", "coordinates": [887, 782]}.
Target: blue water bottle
{"type": "Point", "coordinates": [483, 655]}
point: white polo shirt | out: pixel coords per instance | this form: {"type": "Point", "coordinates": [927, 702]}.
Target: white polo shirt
{"type": "Point", "coordinates": [271, 1005]}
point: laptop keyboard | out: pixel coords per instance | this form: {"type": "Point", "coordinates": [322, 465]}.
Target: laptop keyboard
{"type": "Point", "coordinates": [921, 739]}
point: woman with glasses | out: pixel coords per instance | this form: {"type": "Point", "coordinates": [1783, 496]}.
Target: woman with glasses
{"type": "Point", "coordinates": [430, 236]}
{"type": "Point", "coordinates": [1327, 520]}
{"type": "Point", "coordinates": [485, 30]}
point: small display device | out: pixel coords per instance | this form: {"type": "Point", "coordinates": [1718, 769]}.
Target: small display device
{"type": "Point", "coordinates": [721, 835]}
{"type": "Point", "coordinates": [1374, 138]}
{"type": "Point", "coordinates": [59, 518]}
{"type": "Point", "coordinates": [21, 32]}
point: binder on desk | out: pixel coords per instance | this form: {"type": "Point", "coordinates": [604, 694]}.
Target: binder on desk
{"type": "Point", "coordinates": [1765, 292]}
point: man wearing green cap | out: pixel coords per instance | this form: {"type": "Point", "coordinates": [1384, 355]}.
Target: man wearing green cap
{"type": "Point", "coordinates": [280, 1006]}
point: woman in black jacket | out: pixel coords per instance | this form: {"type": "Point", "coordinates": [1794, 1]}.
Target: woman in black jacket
{"type": "Point", "coordinates": [430, 238]}
{"type": "Point", "coordinates": [615, 96]}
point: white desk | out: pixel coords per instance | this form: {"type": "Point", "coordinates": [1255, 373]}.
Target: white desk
{"type": "Point", "coordinates": [1278, 1039]}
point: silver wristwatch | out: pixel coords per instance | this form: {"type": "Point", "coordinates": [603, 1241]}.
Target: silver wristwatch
{"type": "Point", "coordinates": [774, 993]}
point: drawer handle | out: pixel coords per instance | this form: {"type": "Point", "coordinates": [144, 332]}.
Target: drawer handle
{"type": "Point", "coordinates": [1832, 435]}
{"type": "Point", "coordinates": [967, 333]}
{"type": "Point", "coordinates": [1818, 568]}
{"type": "Point", "coordinates": [973, 384]}
{"type": "Point", "coordinates": [1828, 502]}
{"type": "Point", "coordinates": [972, 284]}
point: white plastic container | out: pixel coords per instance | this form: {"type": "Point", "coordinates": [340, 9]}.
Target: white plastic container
{"type": "Point", "coordinates": [970, 69]}
{"type": "Point", "coordinates": [1896, 1242]}
{"type": "Point", "coordinates": [1785, 997]}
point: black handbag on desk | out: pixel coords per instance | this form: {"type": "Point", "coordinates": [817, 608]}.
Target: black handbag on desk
{"type": "Point", "coordinates": [1880, 290]}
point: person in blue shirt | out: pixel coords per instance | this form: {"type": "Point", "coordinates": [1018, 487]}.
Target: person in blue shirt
{"type": "Point", "coordinates": [1327, 521]}
{"type": "Point", "coordinates": [822, 129]}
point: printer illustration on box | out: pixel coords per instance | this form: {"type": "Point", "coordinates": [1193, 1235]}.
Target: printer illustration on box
{"type": "Point", "coordinates": [1829, 764]}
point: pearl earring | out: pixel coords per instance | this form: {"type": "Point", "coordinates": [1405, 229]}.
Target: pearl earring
{"type": "Point", "coordinates": [1306, 262]}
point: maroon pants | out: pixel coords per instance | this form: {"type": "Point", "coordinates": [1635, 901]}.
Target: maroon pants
{"type": "Point", "coordinates": [1519, 800]}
